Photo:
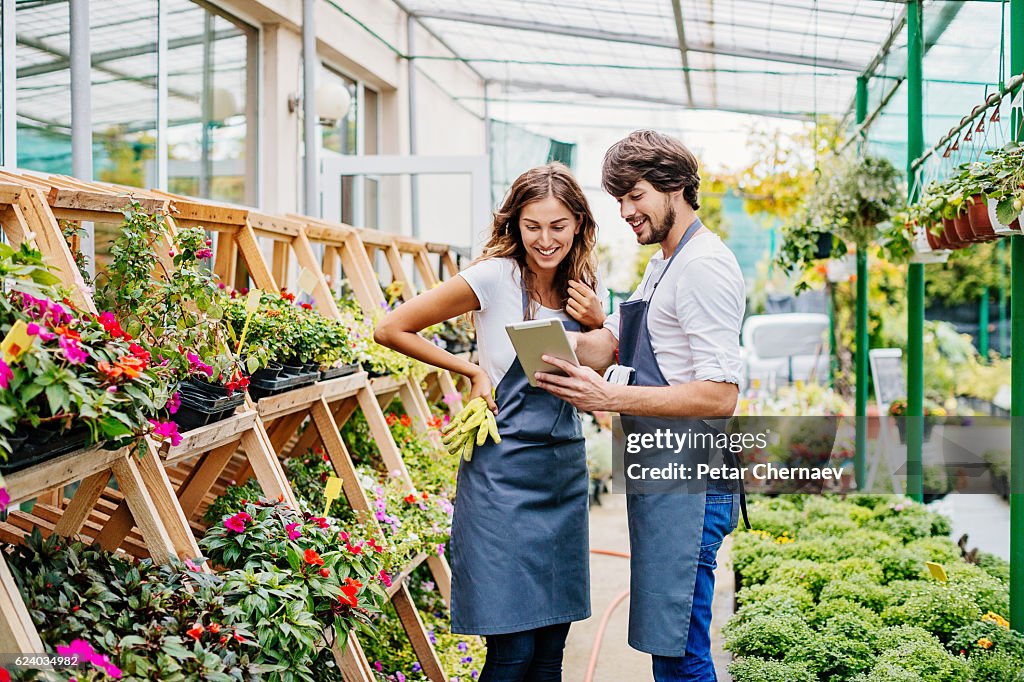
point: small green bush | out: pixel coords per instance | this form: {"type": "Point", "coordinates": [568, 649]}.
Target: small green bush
{"type": "Point", "coordinates": [805, 573]}
{"type": "Point", "coordinates": [769, 636]}
{"type": "Point", "coordinates": [996, 666]}
{"type": "Point", "coordinates": [844, 647]}
{"type": "Point", "coordinates": [832, 526]}
{"type": "Point", "coordinates": [772, 606]}
{"type": "Point", "coordinates": [888, 672]}
{"type": "Point", "coordinates": [902, 564]}
{"type": "Point", "coordinates": [860, 589]}
{"type": "Point", "coordinates": [754, 669]}
{"type": "Point", "coordinates": [912, 522]}
{"type": "Point", "coordinates": [997, 567]}
{"type": "Point", "coordinates": [768, 591]}
{"type": "Point", "coordinates": [987, 592]}
{"type": "Point", "coordinates": [939, 550]}
{"type": "Point", "coordinates": [895, 636]}
{"type": "Point", "coordinates": [776, 522]}
{"type": "Point", "coordinates": [936, 607]}
{"type": "Point", "coordinates": [834, 607]}
{"type": "Point", "coordinates": [932, 663]}
{"type": "Point", "coordinates": [965, 640]}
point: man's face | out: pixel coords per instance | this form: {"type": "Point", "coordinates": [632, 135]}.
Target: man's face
{"type": "Point", "coordinates": [648, 212]}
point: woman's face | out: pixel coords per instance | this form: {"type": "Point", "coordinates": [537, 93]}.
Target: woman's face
{"type": "Point", "coordinates": [547, 227]}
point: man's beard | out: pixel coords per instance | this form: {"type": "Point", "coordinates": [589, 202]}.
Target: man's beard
{"type": "Point", "coordinates": [660, 233]}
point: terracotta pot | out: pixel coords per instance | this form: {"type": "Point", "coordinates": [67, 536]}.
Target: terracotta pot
{"type": "Point", "coordinates": [977, 215]}
{"type": "Point", "coordinates": [934, 241]}
{"type": "Point", "coordinates": [949, 233]}
{"type": "Point", "coordinates": [962, 225]}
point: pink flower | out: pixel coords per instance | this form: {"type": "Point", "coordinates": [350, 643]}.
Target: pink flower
{"type": "Point", "coordinates": [33, 329]}
{"type": "Point", "coordinates": [344, 536]}
{"type": "Point", "coordinates": [5, 375]}
{"type": "Point", "coordinates": [5, 499]}
{"type": "Point", "coordinates": [293, 534]}
{"type": "Point", "coordinates": [237, 522]}
{"type": "Point", "coordinates": [196, 365]}
{"type": "Point", "coordinates": [72, 351]}
{"type": "Point", "coordinates": [203, 253]}
{"type": "Point", "coordinates": [166, 431]}
{"type": "Point", "coordinates": [83, 652]}
{"type": "Point", "coordinates": [452, 399]}
{"type": "Point", "coordinates": [190, 565]}
{"type": "Point", "coordinates": [173, 403]}
{"type": "Point", "coordinates": [385, 578]}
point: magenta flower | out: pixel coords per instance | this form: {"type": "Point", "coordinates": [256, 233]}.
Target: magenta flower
{"type": "Point", "coordinates": [385, 578]}
{"type": "Point", "coordinates": [5, 498]}
{"type": "Point", "coordinates": [83, 652]}
{"type": "Point", "coordinates": [166, 431]}
{"type": "Point", "coordinates": [33, 329]}
{"type": "Point", "coordinates": [173, 403]}
{"type": "Point", "coordinates": [293, 534]}
{"type": "Point", "coordinates": [5, 375]}
{"type": "Point", "coordinates": [204, 253]}
{"type": "Point", "coordinates": [191, 565]}
{"type": "Point", "coordinates": [235, 523]}
{"type": "Point", "coordinates": [72, 351]}
{"type": "Point", "coordinates": [195, 365]}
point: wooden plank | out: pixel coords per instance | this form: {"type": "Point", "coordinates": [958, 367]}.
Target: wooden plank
{"type": "Point", "coordinates": [277, 224]}
{"type": "Point", "coordinates": [277, 406]}
{"type": "Point", "coordinates": [18, 634]}
{"type": "Point", "coordinates": [198, 211]}
{"type": "Point", "coordinates": [398, 272]}
{"type": "Point", "coordinates": [322, 294]}
{"type": "Point", "coordinates": [389, 451]}
{"type": "Point", "coordinates": [92, 528]}
{"type": "Point", "coordinates": [413, 625]}
{"type": "Point", "coordinates": [279, 268]}
{"type": "Point", "coordinates": [9, 194]}
{"type": "Point", "coordinates": [331, 261]}
{"type": "Point", "coordinates": [249, 247]}
{"type": "Point", "coordinates": [147, 516]}
{"type": "Point", "coordinates": [351, 660]}
{"type": "Point", "coordinates": [164, 499]}
{"type": "Point", "coordinates": [74, 466]}
{"type": "Point", "coordinates": [226, 258]}
{"type": "Point", "coordinates": [14, 227]}
{"type": "Point", "coordinates": [423, 266]}
{"type": "Point", "coordinates": [283, 430]}
{"type": "Point", "coordinates": [212, 435]}
{"type": "Point", "coordinates": [267, 468]}
{"type": "Point", "coordinates": [415, 404]}
{"type": "Point", "coordinates": [335, 448]}
{"type": "Point", "coordinates": [207, 471]}
{"type": "Point", "coordinates": [82, 503]}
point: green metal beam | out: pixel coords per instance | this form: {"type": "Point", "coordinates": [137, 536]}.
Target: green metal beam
{"type": "Point", "coordinates": [1017, 364]}
{"type": "Point", "coordinates": [915, 277]}
{"type": "Point", "coordinates": [861, 384]}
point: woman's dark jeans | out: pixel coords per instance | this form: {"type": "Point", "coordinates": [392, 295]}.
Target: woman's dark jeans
{"type": "Point", "coordinates": [529, 656]}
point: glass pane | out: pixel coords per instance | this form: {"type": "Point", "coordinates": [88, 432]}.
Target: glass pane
{"type": "Point", "coordinates": [208, 90]}
{"type": "Point", "coordinates": [371, 196]}
{"type": "Point", "coordinates": [43, 86]}
{"type": "Point", "coordinates": [348, 213]}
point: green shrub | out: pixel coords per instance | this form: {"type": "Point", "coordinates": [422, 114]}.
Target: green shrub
{"type": "Point", "coordinates": [936, 607]}
{"type": "Point", "coordinates": [996, 666]}
{"type": "Point", "coordinates": [776, 522]}
{"type": "Point", "coordinates": [906, 522]}
{"type": "Point", "coordinates": [811, 575]}
{"type": "Point", "coordinates": [772, 606]}
{"type": "Point", "coordinates": [938, 550]}
{"type": "Point", "coordinates": [833, 607]}
{"type": "Point", "coordinates": [759, 593]}
{"type": "Point", "coordinates": [749, 547]}
{"type": "Point", "coordinates": [770, 636]}
{"type": "Point", "coordinates": [828, 527]}
{"type": "Point", "coordinates": [932, 663]}
{"type": "Point", "coordinates": [753, 669]}
{"type": "Point", "coordinates": [902, 564]}
{"type": "Point", "coordinates": [965, 641]}
{"type": "Point", "coordinates": [888, 672]}
{"type": "Point", "coordinates": [821, 507]}
{"type": "Point", "coordinates": [760, 568]}
{"type": "Point", "coordinates": [895, 636]}
{"type": "Point", "coordinates": [997, 567]}
{"type": "Point", "coordinates": [859, 567]}
{"type": "Point", "coordinates": [865, 542]}
{"type": "Point", "coordinates": [987, 592]}
{"type": "Point", "coordinates": [860, 589]}
{"type": "Point", "coordinates": [843, 648]}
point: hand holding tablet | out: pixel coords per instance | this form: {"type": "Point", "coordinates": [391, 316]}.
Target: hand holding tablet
{"type": "Point", "coordinates": [536, 338]}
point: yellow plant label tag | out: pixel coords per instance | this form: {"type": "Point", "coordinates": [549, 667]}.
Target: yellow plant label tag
{"type": "Point", "coordinates": [252, 301]}
{"type": "Point", "coordinates": [307, 280]}
{"type": "Point", "coordinates": [331, 491]}
{"type": "Point", "coordinates": [17, 342]}
{"type": "Point", "coordinates": [937, 571]}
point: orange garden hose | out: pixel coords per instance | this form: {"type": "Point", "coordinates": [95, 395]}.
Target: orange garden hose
{"type": "Point", "coordinates": [605, 618]}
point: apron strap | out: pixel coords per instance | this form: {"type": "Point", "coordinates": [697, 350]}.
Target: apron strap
{"type": "Point", "coordinates": [690, 231]}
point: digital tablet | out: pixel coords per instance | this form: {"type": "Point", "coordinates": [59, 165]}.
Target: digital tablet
{"type": "Point", "coordinates": [540, 337]}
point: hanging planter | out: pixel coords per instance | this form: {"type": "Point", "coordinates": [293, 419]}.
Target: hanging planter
{"type": "Point", "coordinates": [823, 246]}
{"type": "Point", "coordinates": [952, 235]}
{"type": "Point", "coordinates": [977, 215]}
{"type": "Point", "coordinates": [997, 226]}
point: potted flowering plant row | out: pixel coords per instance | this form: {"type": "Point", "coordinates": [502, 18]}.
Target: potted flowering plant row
{"type": "Point", "coordinates": [287, 344]}
{"type": "Point", "coordinates": [981, 202]}
{"type": "Point", "coordinates": [75, 379]}
{"type": "Point", "coordinates": [376, 359]}
{"type": "Point", "coordinates": [933, 413]}
{"type": "Point", "coordinates": [457, 335]}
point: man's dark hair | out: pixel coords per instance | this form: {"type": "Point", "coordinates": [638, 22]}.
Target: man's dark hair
{"type": "Point", "coordinates": [659, 159]}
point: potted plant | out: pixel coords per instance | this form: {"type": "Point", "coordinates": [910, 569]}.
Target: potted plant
{"type": "Point", "coordinates": [175, 311]}
{"type": "Point", "coordinates": [77, 380]}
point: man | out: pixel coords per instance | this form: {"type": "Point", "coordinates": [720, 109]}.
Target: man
{"type": "Point", "coordinates": [680, 332]}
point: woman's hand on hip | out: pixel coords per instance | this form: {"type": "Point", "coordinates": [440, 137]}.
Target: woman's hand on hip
{"type": "Point", "coordinates": [584, 306]}
{"type": "Point", "coordinates": [481, 388]}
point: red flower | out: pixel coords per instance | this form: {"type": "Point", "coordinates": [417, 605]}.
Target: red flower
{"type": "Point", "coordinates": [239, 638]}
{"type": "Point", "coordinates": [196, 632]}
{"type": "Point", "coordinates": [306, 306]}
{"type": "Point", "coordinates": [410, 498]}
{"type": "Point", "coordinates": [385, 578]}
{"type": "Point", "coordinates": [391, 419]}
{"type": "Point", "coordinates": [325, 572]}
{"type": "Point", "coordinates": [355, 549]}
{"type": "Point", "coordinates": [312, 558]}
{"type": "Point", "coordinates": [68, 333]}
{"type": "Point", "coordinates": [425, 496]}
{"type": "Point", "coordinates": [110, 323]}
{"type": "Point", "coordinates": [321, 521]}
{"type": "Point", "coordinates": [214, 628]}
{"type": "Point", "coordinates": [139, 352]}
{"type": "Point", "coordinates": [406, 421]}
{"type": "Point", "coordinates": [349, 590]}
{"type": "Point", "coordinates": [286, 295]}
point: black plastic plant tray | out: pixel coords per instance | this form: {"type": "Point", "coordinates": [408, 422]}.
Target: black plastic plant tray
{"type": "Point", "coordinates": [208, 402]}
{"type": "Point", "coordinates": [262, 389]}
{"type": "Point", "coordinates": [199, 410]}
{"type": "Point", "coordinates": [335, 372]}
{"type": "Point", "coordinates": [28, 453]}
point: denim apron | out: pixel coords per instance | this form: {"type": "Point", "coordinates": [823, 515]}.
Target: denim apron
{"type": "Point", "coordinates": [664, 529]}
{"type": "Point", "coordinates": [520, 539]}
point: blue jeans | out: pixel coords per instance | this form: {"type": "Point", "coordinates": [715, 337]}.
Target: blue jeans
{"type": "Point", "coordinates": [696, 665]}
{"type": "Point", "coordinates": [529, 656]}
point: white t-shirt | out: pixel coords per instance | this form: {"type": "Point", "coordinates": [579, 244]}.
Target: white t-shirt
{"type": "Point", "coordinates": [695, 313]}
{"type": "Point", "coordinates": [497, 283]}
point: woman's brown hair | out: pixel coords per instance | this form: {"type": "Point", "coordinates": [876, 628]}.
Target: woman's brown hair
{"type": "Point", "coordinates": [506, 241]}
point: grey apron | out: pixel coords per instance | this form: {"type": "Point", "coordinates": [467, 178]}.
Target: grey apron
{"type": "Point", "coordinates": [520, 543]}
{"type": "Point", "coordinates": [664, 529]}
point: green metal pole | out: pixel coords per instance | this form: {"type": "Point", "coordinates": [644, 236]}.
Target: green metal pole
{"type": "Point", "coordinates": [1017, 368]}
{"type": "Point", "coordinates": [983, 325]}
{"type": "Point", "coordinates": [860, 459]}
{"type": "Point", "coordinates": [915, 277]}
{"type": "Point", "coordinates": [1002, 299]}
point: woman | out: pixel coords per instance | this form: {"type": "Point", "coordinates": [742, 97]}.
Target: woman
{"type": "Point", "coordinates": [520, 565]}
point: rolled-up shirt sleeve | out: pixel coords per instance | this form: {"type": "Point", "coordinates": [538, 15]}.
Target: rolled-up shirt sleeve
{"type": "Point", "coordinates": [710, 300]}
